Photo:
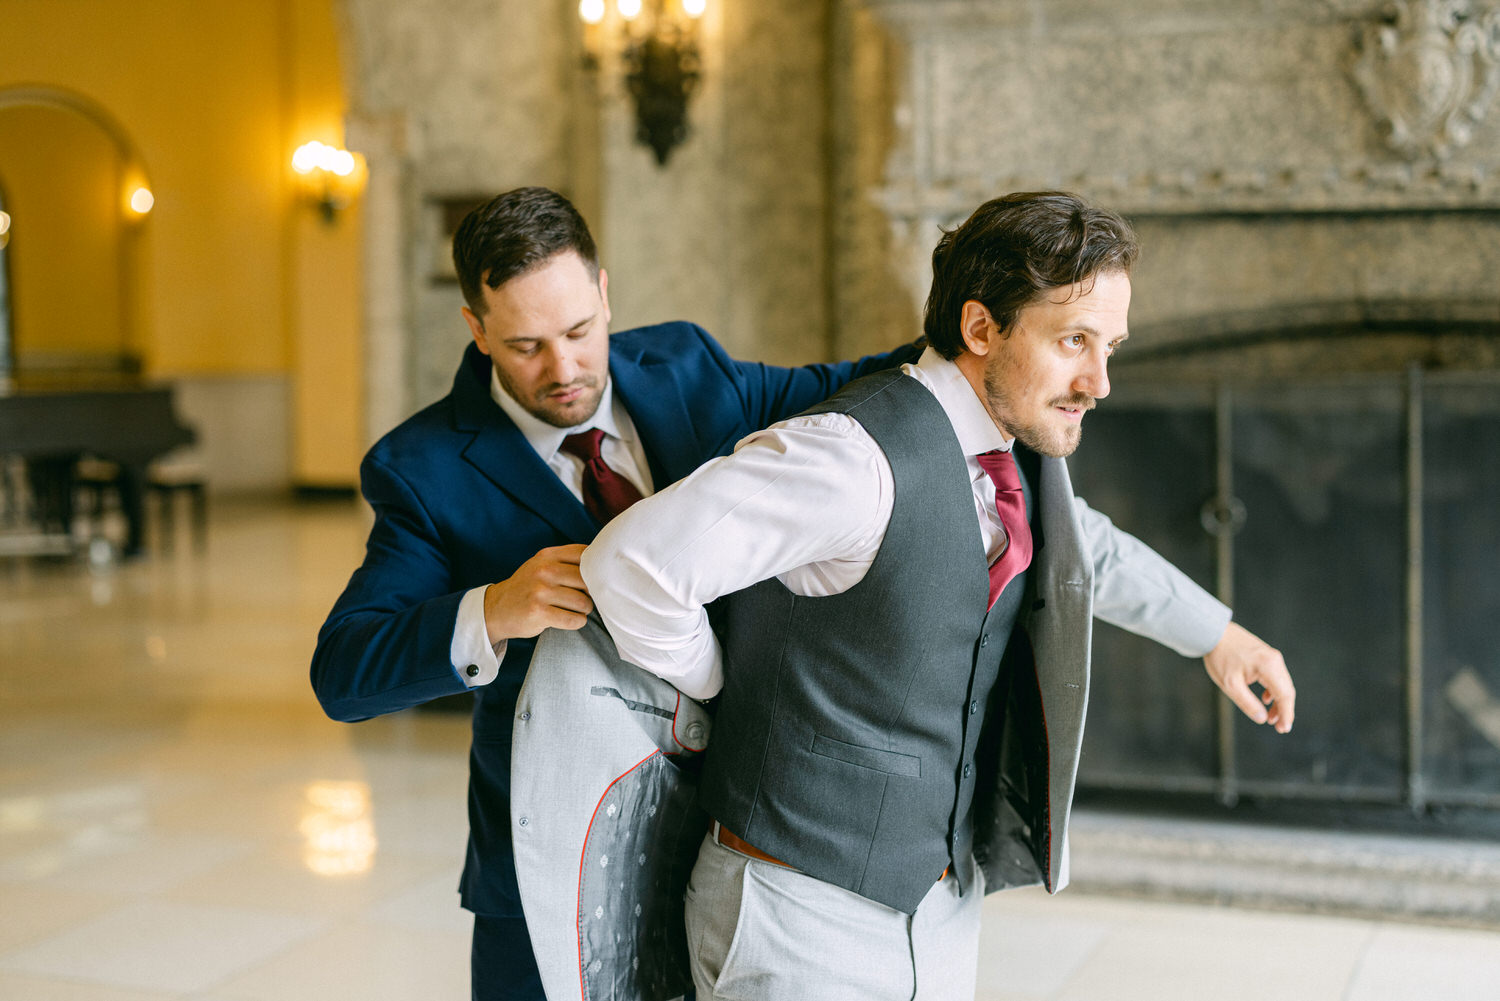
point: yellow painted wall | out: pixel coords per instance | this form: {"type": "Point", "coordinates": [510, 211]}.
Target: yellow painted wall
{"type": "Point", "coordinates": [230, 279]}
{"type": "Point", "coordinates": [62, 178]}
{"type": "Point", "coordinates": [327, 359]}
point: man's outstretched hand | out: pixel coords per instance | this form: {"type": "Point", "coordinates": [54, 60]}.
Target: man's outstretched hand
{"type": "Point", "coordinates": [1242, 659]}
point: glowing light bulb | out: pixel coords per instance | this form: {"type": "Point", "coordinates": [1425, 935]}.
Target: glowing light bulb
{"type": "Point", "coordinates": [591, 11]}
{"type": "Point", "coordinates": [142, 200]}
{"type": "Point", "coordinates": [4, 223]}
{"type": "Point", "coordinates": [307, 156]}
{"type": "Point", "coordinates": [694, 8]}
{"type": "Point", "coordinates": [629, 9]}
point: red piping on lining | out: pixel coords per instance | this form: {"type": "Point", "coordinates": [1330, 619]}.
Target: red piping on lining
{"type": "Point", "coordinates": [578, 922]}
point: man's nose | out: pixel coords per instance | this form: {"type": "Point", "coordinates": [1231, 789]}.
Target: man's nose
{"type": "Point", "coordinates": [1094, 378]}
{"type": "Point", "coordinates": [562, 364]}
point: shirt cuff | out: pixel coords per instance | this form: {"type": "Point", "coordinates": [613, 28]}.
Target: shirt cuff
{"type": "Point", "coordinates": [474, 660]}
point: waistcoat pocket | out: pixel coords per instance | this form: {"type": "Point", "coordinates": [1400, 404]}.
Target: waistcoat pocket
{"type": "Point", "coordinates": [877, 758]}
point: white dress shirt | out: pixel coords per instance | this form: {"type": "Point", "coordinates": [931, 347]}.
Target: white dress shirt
{"type": "Point", "coordinates": [806, 501]}
{"type": "Point", "coordinates": [621, 450]}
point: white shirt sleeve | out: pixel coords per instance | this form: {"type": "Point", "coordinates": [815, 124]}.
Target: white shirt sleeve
{"type": "Point", "coordinates": [471, 642]}
{"type": "Point", "coordinates": [810, 497]}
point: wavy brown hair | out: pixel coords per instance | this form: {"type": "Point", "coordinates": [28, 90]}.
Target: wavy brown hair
{"type": "Point", "coordinates": [1012, 251]}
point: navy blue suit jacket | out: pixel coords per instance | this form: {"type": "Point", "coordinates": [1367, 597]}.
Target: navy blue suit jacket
{"type": "Point", "coordinates": [462, 500]}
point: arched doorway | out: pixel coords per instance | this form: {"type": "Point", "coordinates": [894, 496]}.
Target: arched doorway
{"type": "Point", "coordinates": [70, 266]}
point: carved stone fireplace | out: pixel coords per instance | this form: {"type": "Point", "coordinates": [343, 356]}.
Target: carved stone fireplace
{"type": "Point", "coordinates": [1307, 417]}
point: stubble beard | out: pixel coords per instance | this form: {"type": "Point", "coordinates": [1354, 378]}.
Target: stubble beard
{"type": "Point", "coordinates": [559, 416]}
{"type": "Point", "coordinates": [1057, 442]}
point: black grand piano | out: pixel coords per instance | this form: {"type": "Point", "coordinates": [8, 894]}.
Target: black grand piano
{"type": "Point", "coordinates": [52, 425]}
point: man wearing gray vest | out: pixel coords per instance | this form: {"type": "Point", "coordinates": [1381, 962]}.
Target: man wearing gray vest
{"type": "Point", "coordinates": [903, 696]}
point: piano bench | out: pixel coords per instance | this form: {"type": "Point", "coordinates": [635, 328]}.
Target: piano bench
{"type": "Point", "coordinates": [98, 481]}
{"type": "Point", "coordinates": [166, 482]}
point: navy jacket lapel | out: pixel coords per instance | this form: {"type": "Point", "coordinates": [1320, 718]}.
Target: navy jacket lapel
{"type": "Point", "coordinates": [502, 454]}
{"type": "Point", "coordinates": [654, 401]}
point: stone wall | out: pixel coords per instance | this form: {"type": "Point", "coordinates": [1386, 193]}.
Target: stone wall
{"type": "Point", "coordinates": [1250, 141]}
{"type": "Point", "coordinates": [831, 139]}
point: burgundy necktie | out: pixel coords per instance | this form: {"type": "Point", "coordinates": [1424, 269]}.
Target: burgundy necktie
{"type": "Point", "coordinates": [605, 492]}
{"type": "Point", "coordinates": [1010, 504]}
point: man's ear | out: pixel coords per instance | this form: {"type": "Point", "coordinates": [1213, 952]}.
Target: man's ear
{"type": "Point", "coordinates": [980, 332]}
{"type": "Point", "coordinates": [476, 327]}
{"type": "Point", "coordinates": [604, 293]}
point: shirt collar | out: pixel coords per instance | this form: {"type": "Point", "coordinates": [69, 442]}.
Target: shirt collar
{"type": "Point", "coordinates": [543, 437]}
{"type": "Point", "coordinates": [972, 423]}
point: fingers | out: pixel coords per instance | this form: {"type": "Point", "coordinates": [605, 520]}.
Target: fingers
{"type": "Point", "coordinates": [1240, 694]}
{"type": "Point", "coordinates": [1242, 659]}
{"type": "Point", "coordinates": [545, 592]}
{"type": "Point", "coordinates": [1279, 692]}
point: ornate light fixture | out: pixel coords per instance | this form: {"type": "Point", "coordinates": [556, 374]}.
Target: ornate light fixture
{"type": "Point", "coordinates": [331, 177]}
{"type": "Point", "coordinates": [658, 45]}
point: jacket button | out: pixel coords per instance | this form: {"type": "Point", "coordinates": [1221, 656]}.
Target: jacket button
{"type": "Point", "coordinates": [973, 707]}
{"type": "Point", "coordinates": [472, 670]}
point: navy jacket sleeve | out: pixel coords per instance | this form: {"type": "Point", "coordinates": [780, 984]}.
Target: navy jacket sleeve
{"type": "Point", "coordinates": [385, 646]}
{"type": "Point", "coordinates": [772, 393]}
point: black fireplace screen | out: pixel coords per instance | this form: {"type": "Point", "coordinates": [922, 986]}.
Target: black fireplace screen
{"type": "Point", "coordinates": [1355, 524]}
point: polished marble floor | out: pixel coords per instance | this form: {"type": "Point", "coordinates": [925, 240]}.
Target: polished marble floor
{"type": "Point", "coordinates": [179, 821]}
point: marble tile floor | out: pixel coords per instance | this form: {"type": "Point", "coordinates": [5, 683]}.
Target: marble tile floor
{"type": "Point", "coordinates": [179, 821]}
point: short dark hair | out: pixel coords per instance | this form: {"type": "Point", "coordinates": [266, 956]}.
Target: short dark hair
{"type": "Point", "coordinates": [513, 233]}
{"type": "Point", "coordinates": [1012, 250]}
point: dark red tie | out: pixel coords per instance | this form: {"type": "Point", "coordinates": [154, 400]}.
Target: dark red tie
{"type": "Point", "coordinates": [605, 492]}
{"type": "Point", "coordinates": [1010, 504]}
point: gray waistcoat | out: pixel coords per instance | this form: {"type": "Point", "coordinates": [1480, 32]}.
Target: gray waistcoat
{"type": "Point", "coordinates": [846, 735]}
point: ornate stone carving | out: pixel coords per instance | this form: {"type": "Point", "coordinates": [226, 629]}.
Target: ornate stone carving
{"type": "Point", "coordinates": [1430, 70]}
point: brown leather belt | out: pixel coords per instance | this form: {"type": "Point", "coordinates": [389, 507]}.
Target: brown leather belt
{"type": "Point", "coordinates": [735, 843]}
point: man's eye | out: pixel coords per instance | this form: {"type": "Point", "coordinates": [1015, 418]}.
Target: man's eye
{"type": "Point", "coordinates": [1114, 346]}
{"type": "Point", "coordinates": [524, 349]}
{"type": "Point", "coordinates": [1076, 341]}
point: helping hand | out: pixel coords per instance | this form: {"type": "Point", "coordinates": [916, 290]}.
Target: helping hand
{"type": "Point", "coordinates": [547, 591]}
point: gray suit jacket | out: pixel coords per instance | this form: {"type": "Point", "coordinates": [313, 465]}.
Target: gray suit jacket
{"type": "Point", "coordinates": [602, 810]}
{"type": "Point", "coordinates": [604, 819]}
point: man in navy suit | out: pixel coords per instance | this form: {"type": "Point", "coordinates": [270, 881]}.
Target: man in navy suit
{"type": "Point", "coordinates": [479, 516]}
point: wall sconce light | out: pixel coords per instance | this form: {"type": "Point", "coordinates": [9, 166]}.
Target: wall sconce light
{"type": "Point", "coordinates": [331, 177]}
{"type": "Point", "coordinates": [4, 229]}
{"type": "Point", "coordinates": [141, 200]}
{"type": "Point", "coordinates": [658, 45]}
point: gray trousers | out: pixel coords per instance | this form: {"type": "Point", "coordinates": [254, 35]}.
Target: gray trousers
{"type": "Point", "coordinates": [758, 931]}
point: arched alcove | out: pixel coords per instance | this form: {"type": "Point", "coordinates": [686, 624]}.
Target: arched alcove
{"type": "Point", "coordinates": [72, 261]}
